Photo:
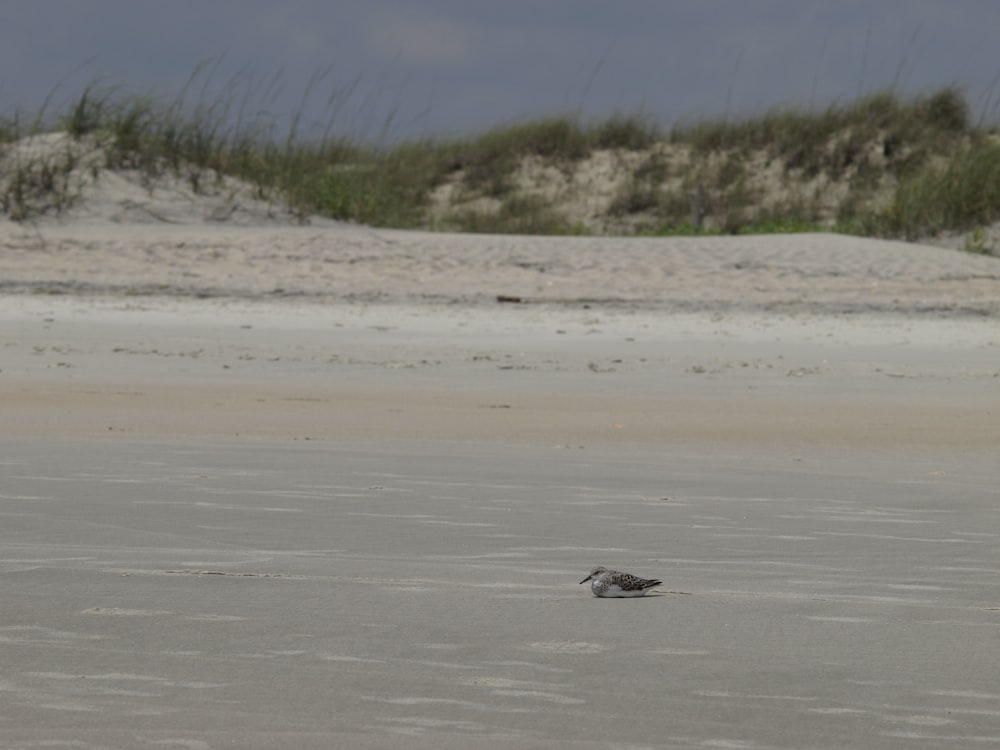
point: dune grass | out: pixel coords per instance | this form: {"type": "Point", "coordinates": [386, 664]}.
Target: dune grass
{"type": "Point", "coordinates": [961, 192]}
{"type": "Point", "coordinates": [902, 167]}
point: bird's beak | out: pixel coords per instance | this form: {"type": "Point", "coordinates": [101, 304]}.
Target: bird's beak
{"type": "Point", "coordinates": [586, 579]}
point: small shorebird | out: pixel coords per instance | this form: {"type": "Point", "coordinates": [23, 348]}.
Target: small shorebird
{"type": "Point", "coordinates": [611, 583]}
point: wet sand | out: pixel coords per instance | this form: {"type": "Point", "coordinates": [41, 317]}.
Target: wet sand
{"type": "Point", "coordinates": [406, 594]}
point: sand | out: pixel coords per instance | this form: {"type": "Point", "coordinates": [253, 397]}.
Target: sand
{"type": "Point", "coordinates": [786, 273]}
{"type": "Point", "coordinates": [313, 486]}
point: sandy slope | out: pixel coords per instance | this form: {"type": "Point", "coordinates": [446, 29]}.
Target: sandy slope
{"type": "Point", "coordinates": [816, 273]}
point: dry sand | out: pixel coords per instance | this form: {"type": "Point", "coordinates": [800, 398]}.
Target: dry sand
{"type": "Point", "coordinates": [295, 487]}
{"type": "Point", "coordinates": [827, 274]}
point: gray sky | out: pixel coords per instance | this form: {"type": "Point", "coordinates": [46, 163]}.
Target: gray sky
{"type": "Point", "coordinates": [455, 66]}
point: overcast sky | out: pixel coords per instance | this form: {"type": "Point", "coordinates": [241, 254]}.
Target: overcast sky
{"type": "Point", "coordinates": [456, 66]}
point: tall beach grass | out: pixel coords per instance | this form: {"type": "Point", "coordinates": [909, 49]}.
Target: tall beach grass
{"type": "Point", "coordinates": [901, 167]}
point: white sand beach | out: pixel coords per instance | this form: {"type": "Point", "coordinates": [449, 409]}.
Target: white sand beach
{"type": "Point", "coordinates": [282, 486]}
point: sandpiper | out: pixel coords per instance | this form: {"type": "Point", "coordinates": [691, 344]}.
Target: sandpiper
{"type": "Point", "coordinates": [611, 583]}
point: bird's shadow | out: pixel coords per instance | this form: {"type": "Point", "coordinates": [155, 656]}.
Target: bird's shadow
{"type": "Point", "coordinates": [650, 595]}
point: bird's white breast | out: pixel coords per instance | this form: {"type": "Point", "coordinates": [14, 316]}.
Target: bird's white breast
{"type": "Point", "coordinates": [615, 592]}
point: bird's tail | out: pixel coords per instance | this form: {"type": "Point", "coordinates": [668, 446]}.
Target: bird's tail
{"type": "Point", "coordinates": [652, 584]}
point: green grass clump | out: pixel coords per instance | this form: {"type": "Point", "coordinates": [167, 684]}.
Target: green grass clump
{"type": "Point", "coordinates": [490, 160]}
{"type": "Point", "coordinates": [960, 193]}
{"type": "Point", "coordinates": [833, 139]}
{"type": "Point", "coordinates": [518, 214]}
{"type": "Point", "coordinates": [977, 243]}
{"type": "Point", "coordinates": [635, 133]}
{"type": "Point", "coordinates": [388, 189]}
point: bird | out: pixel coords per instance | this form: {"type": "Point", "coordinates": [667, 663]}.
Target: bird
{"type": "Point", "coordinates": [611, 583]}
